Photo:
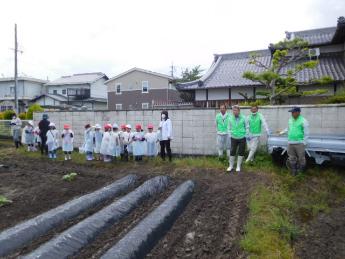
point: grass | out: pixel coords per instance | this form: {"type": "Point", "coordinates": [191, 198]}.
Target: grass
{"type": "Point", "coordinates": [4, 201]}
{"type": "Point", "coordinates": [282, 209]}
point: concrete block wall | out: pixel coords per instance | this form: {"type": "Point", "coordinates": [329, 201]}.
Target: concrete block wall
{"type": "Point", "coordinates": [194, 130]}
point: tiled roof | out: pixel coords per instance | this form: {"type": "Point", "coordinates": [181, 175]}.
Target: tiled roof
{"type": "Point", "coordinates": [86, 78]}
{"type": "Point", "coordinates": [315, 37]}
{"type": "Point", "coordinates": [228, 71]}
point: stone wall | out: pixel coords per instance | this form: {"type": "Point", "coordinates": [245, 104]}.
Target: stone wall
{"type": "Point", "coordinates": [194, 130]}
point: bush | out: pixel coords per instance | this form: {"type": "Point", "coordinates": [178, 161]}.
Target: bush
{"type": "Point", "coordinates": [259, 102]}
{"type": "Point", "coordinates": [22, 115]}
{"type": "Point", "coordinates": [1, 115]}
{"type": "Point", "coordinates": [33, 108]}
{"type": "Point", "coordinates": [338, 98]}
{"type": "Point", "coordinates": [8, 114]}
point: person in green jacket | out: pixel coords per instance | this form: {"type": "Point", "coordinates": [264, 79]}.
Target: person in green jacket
{"type": "Point", "coordinates": [255, 122]}
{"type": "Point", "coordinates": [238, 130]}
{"type": "Point", "coordinates": [223, 136]}
{"type": "Point", "coordinates": [298, 134]}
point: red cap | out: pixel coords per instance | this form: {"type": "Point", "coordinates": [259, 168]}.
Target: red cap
{"type": "Point", "coordinates": [123, 126]}
{"type": "Point", "coordinates": [150, 126]}
{"type": "Point", "coordinates": [138, 126]}
{"type": "Point", "coordinates": [66, 126]}
{"type": "Point", "coordinates": [107, 126]}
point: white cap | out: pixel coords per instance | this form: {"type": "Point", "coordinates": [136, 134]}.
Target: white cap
{"type": "Point", "coordinates": [97, 126]}
{"type": "Point", "coordinates": [31, 123]}
{"type": "Point", "coordinates": [115, 126]}
{"type": "Point", "coordinates": [128, 126]}
{"type": "Point", "coordinates": [52, 124]}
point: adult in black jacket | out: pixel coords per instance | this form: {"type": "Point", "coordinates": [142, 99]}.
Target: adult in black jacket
{"type": "Point", "coordinates": [43, 125]}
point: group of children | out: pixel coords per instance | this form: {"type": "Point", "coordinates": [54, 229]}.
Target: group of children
{"type": "Point", "coordinates": [108, 144]}
{"type": "Point", "coordinates": [119, 142]}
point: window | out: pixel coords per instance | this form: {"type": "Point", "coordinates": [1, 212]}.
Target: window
{"type": "Point", "coordinates": [4, 108]}
{"type": "Point", "coordinates": [64, 91]}
{"type": "Point", "coordinates": [54, 91]}
{"type": "Point", "coordinates": [118, 106]}
{"type": "Point", "coordinates": [145, 86]}
{"type": "Point", "coordinates": [12, 90]}
{"type": "Point", "coordinates": [118, 88]}
{"type": "Point", "coordinates": [144, 105]}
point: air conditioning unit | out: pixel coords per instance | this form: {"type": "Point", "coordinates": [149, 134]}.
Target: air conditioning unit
{"type": "Point", "coordinates": [315, 52]}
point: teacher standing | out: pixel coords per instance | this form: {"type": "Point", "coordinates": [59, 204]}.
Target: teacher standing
{"type": "Point", "coordinates": [165, 127]}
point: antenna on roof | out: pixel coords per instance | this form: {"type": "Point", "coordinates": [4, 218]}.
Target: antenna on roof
{"type": "Point", "coordinates": [172, 70]}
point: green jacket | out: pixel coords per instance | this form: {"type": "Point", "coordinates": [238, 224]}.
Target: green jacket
{"type": "Point", "coordinates": [223, 123]}
{"type": "Point", "coordinates": [238, 126]}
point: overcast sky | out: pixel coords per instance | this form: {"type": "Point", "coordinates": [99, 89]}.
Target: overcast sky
{"type": "Point", "coordinates": [69, 36]}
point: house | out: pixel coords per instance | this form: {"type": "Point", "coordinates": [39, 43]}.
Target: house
{"type": "Point", "coordinates": [27, 89]}
{"type": "Point", "coordinates": [85, 90]}
{"type": "Point", "coordinates": [140, 89]}
{"type": "Point", "coordinates": [224, 83]}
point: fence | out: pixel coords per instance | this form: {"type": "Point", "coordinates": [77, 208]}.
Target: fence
{"type": "Point", "coordinates": [194, 129]}
{"type": "Point", "coordinates": [6, 130]}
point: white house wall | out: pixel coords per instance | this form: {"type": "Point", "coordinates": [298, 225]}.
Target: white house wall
{"type": "Point", "coordinates": [25, 89]}
{"type": "Point", "coordinates": [200, 95]}
{"type": "Point", "coordinates": [99, 89]}
{"type": "Point", "coordinates": [218, 94]}
{"type": "Point", "coordinates": [245, 90]}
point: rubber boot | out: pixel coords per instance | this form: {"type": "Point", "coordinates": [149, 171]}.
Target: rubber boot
{"type": "Point", "coordinates": [231, 164]}
{"type": "Point", "coordinates": [66, 158]}
{"type": "Point", "coordinates": [220, 153]}
{"type": "Point", "coordinates": [239, 163]}
{"type": "Point", "coordinates": [50, 155]}
{"type": "Point", "coordinates": [69, 157]}
{"type": "Point", "coordinates": [250, 157]}
{"type": "Point", "coordinates": [29, 149]}
{"type": "Point", "coordinates": [228, 153]}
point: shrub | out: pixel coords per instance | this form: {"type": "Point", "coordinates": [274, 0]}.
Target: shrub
{"type": "Point", "coordinates": [8, 114]}
{"type": "Point", "coordinates": [22, 115]}
{"type": "Point", "coordinates": [33, 108]}
{"type": "Point", "coordinates": [338, 98]}
{"type": "Point", "coordinates": [259, 102]}
{"type": "Point", "coordinates": [1, 115]}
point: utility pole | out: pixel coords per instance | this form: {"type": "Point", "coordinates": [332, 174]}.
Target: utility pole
{"type": "Point", "coordinates": [15, 70]}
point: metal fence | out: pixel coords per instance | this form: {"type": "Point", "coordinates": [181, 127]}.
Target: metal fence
{"type": "Point", "coordinates": [6, 129]}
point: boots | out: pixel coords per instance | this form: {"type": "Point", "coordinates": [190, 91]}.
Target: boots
{"type": "Point", "coordinates": [239, 162]}
{"type": "Point", "coordinates": [250, 156]}
{"type": "Point", "coordinates": [231, 164]}
{"type": "Point", "coordinates": [66, 157]}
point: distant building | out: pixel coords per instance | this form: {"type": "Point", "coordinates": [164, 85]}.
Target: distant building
{"type": "Point", "coordinates": [140, 89]}
{"type": "Point", "coordinates": [224, 82]}
{"type": "Point", "coordinates": [27, 89]}
{"type": "Point", "coordinates": [85, 90]}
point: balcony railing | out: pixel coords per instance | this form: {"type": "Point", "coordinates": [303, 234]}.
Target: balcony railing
{"type": "Point", "coordinates": [78, 93]}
